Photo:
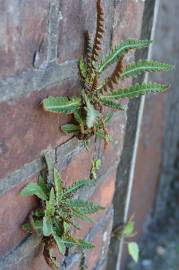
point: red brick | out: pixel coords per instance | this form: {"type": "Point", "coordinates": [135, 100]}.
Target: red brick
{"type": "Point", "coordinates": [34, 261]}
{"type": "Point", "coordinates": [78, 168]}
{"type": "Point", "coordinates": [22, 33]}
{"type": "Point", "coordinates": [78, 16]}
{"type": "Point", "coordinates": [112, 153]}
{"type": "Point", "coordinates": [13, 212]}
{"type": "Point", "coordinates": [26, 130]}
{"type": "Point", "coordinates": [101, 242]}
{"type": "Point", "coordinates": [127, 20]}
{"type": "Point", "coordinates": [94, 254]}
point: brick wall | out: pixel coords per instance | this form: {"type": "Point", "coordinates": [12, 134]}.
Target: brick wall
{"type": "Point", "coordinates": [41, 42]}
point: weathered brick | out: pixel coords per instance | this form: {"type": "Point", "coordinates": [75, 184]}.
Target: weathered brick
{"type": "Point", "coordinates": [22, 35]}
{"type": "Point", "coordinates": [103, 196]}
{"type": "Point", "coordinates": [127, 20]}
{"type": "Point", "coordinates": [77, 17]}
{"type": "Point", "coordinates": [13, 212]}
{"type": "Point", "coordinates": [26, 130]}
{"type": "Point", "coordinates": [78, 168]}
{"type": "Point", "coordinates": [97, 257]}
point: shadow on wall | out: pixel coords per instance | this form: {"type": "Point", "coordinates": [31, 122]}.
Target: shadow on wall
{"type": "Point", "coordinates": [160, 242]}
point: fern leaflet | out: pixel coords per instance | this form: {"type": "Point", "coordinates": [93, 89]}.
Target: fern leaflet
{"type": "Point", "coordinates": [62, 104]}
{"type": "Point", "coordinates": [142, 66]}
{"type": "Point", "coordinates": [121, 49]}
{"type": "Point", "coordinates": [135, 91]}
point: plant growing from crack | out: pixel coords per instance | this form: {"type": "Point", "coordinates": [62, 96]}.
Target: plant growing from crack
{"type": "Point", "coordinates": [87, 109]}
{"type": "Point", "coordinates": [127, 231]}
{"type": "Point", "coordinates": [58, 213]}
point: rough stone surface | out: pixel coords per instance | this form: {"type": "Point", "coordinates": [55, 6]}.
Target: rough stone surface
{"type": "Point", "coordinates": [30, 130]}
{"type": "Point", "coordinates": [78, 17]}
{"type": "Point", "coordinates": [22, 35]}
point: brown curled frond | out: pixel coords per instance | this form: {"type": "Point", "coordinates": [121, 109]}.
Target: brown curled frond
{"type": "Point", "coordinates": [95, 83]}
{"type": "Point", "coordinates": [88, 47]}
{"type": "Point", "coordinates": [114, 79]}
{"type": "Point", "coordinates": [97, 47]}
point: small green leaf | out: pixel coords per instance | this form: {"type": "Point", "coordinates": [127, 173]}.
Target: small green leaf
{"type": "Point", "coordinates": [78, 185]}
{"type": "Point", "coordinates": [96, 165]}
{"type": "Point", "coordinates": [58, 184]}
{"type": "Point", "coordinates": [34, 189]}
{"type": "Point", "coordinates": [70, 129]}
{"type": "Point", "coordinates": [62, 104]}
{"type": "Point", "coordinates": [85, 244]}
{"type": "Point", "coordinates": [42, 183]}
{"type": "Point", "coordinates": [92, 114]}
{"type": "Point", "coordinates": [133, 249]}
{"type": "Point", "coordinates": [26, 228]}
{"type": "Point", "coordinates": [84, 207]}
{"type": "Point", "coordinates": [59, 242]}
{"type": "Point", "coordinates": [50, 205]}
{"type": "Point", "coordinates": [108, 117]}
{"type": "Point", "coordinates": [47, 226]}
{"type": "Point", "coordinates": [128, 229]}
{"type": "Point", "coordinates": [38, 225]}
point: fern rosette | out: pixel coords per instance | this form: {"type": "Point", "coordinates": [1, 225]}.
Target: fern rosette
{"type": "Point", "coordinates": [58, 213]}
{"type": "Point", "coordinates": [87, 109]}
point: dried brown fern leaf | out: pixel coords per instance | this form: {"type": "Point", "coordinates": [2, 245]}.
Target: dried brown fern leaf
{"type": "Point", "coordinates": [114, 79]}
{"type": "Point", "coordinates": [97, 47]}
{"type": "Point", "coordinates": [88, 48]}
{"type": "Point", "coordinates": [95, 83]}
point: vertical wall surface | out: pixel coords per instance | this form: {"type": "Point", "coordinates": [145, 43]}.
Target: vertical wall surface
{"type": "Point", "coordinates": [41, 42]}
{"type": "Point", "coordinates": [159, 143]}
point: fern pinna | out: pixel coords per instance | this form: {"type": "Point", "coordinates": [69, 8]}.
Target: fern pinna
{"type": "Point", "coordinates": [87, 109]}
{"type": "Point", "coordinates": [58, 213]}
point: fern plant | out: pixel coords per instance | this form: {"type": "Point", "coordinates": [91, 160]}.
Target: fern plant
{"type": "Point", "coordinates": [127, 231]}
{"type": "Point", "coordinates": [58, 213]}
{"type": "Point", "coordinates": [88, 108]}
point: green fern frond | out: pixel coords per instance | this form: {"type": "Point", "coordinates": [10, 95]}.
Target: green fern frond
{"type": "Point", "coordinates": [58, 184]}
{"type": "Point", "coordinates": [108, 117]}
{"type": "Point", "coordinates": [62, 104]}
{"type": "Point", "coordinates": [79, 117]}
{"type": "Point", "coordinates": [85, 244]}
{"type": "Point", "coordinates": [34, 189]}
{"type": "Point", "coordinates": [70, 129]}
{"type": "Point", "coordinates": [47, 226]}
{"type": "Point", "coordinates": [112, 104]}
{"type": "Point", "coordinates": [84, 207]}
{"type": "Point", "coordinates": [78, 185]}
{"type": "Point", "coordinates": [121, 49]}
{"type": "Point", "coordinates": [135, 91]}
{"type": "Point", "coordinates": [142, 66]}
{"type": "Point", "coordinates": [60, 243]}
{"type": "Point", "coordinates": [83, 217]}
